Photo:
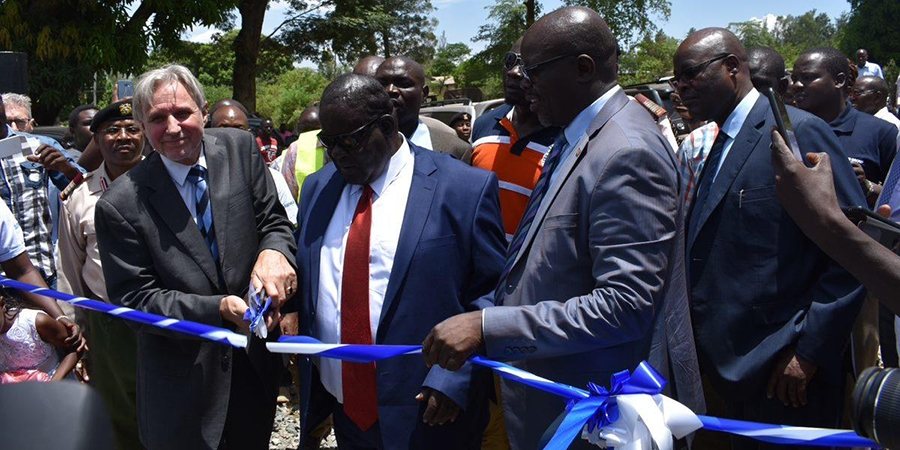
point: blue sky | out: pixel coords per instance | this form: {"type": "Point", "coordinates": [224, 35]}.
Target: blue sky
{"type": "Point", "coordinates": [460, 19]}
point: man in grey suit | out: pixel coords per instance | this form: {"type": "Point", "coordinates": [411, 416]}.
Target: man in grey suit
{"type": "Point", "coordinates": [404, 80]}
{"type": "Point", "coordinates": [594, 280]}
{"type": "Point", "coordinates": [183, 235]}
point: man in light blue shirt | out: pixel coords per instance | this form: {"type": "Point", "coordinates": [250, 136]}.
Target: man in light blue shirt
{"type": "Point", "coordinates": [866, 68]}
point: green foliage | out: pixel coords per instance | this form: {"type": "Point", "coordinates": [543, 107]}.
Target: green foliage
{"type": "Point", "coordinates": [872, 24]}
{"type": "Point", "coordinates": [213, 63]}
{"type": "Point", "coordinates": [284, 99]}
{"type": "Point", "coordinates": [355, 28]}
{"type": "Point", "coordinates": [648, 60]}
{"type": "Point", "coordinates": [67, 41]}
{"type": "Point", "coordinates": [791, 35]}
{"type": "Point", "coordinates": [629, 18]}
{"type": "Point", "coordinates": [504, 25]}
{"type": "Point", "coordinates": [448, 58]}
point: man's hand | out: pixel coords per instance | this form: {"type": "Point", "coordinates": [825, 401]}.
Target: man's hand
{"type": "Point", "coordinates": [232, 309]}
{"type": "Point", "coordinates": [439, 408]}
{"type": "Point", "coordinates": [75, 339]}
{"type": "Point", "coordinates": [860, 173]}
{"type": "Point", "coordinates": [807, 194]}
{"type": "Point", "coordinates": [789, 379]}
{"type": "Point", "coordinates": [273, 273]}
{"type": "Point", "coordinates": [290, 324]}
{"type": "Point", "coordinates": [53, 159]}
{"type": "Point", "coordinates": [451, 342]}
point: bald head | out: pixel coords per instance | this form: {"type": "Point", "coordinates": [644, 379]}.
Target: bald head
{"type": "Point", "coordinates": [869, 94]}
{"type": "Point", "coordinates": [767, 69]}
{"type": "Point", "coordinates": [368, 65]}
{"type": "Point", "coordinates": [309, 120]}
{"type": "Point", "coordinates": [229, 116]}
{"type": "Point", "coordinates": [711, 73]}
{"type": "Point", "coordinates": [572, 30]}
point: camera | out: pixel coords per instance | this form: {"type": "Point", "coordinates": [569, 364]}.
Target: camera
{"type": "Point", "coordinates": [876, 406]}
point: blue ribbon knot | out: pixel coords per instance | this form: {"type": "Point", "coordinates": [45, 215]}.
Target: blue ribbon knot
{"type": "Point", "coordinates": [600, 409]}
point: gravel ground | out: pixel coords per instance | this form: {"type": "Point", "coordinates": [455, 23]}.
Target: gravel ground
{"type": "Point", "coordinates": [286, 433]}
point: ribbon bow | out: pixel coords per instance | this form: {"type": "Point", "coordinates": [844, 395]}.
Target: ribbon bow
{"type": "Point", "coordinates": [601, 409]}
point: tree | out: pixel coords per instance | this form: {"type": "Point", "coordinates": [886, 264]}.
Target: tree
{"type": "Point", "coordinates": [789, 35]}
{"type": "Point", "coordinates": [447, 58]}
{"type": "Point", "coordinates": [872, 24]}
{"type": "Point", "coordinates": [506, 23]}
{"type": "Point", "coordinates": [629, 18]}
{"type": "Point", "coordinates": [212, 63]}
{"type": "Point", "coordinates": [68, 41]}
{"type": "Point", "coordinates": [355, 28]}
{"type": "Point", "coordinates": [648, 60]}
{"type": "Point", "coordinates": [284, 99]}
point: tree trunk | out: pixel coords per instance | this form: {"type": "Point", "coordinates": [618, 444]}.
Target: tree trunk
{"type": "Point", "coordinates": [529, 13]}
{"type": "Point", "coordinates": [386, 41]}
{"type": "Point", "coordinates": [246, 52]}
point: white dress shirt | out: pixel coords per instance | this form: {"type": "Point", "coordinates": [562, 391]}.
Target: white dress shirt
{"type": "Point", "coordinates": [391, 191]}
{"type": "Point", "coordinates": [179, 173]}
{"type": "Point", "coordinates": [734, 123]}
{"type": "Point", "coordinates": [422, 137]}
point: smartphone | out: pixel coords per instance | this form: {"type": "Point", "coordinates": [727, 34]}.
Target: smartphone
{"type": "Point", "coordinates": [885, 231]}
{"type": "Point", "coordinates": [783, 122]}
{"type": "Point", "coordinates": [125, 89]}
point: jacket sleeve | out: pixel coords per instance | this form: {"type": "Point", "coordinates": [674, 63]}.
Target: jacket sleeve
{"type": "Point", "coordinates": [632, 231]}
{"type": "Point", "coordinates": [836, 296]}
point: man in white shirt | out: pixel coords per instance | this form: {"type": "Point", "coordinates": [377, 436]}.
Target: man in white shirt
{"type": "Point", "coordinates": [393, 239]}
{"type": "Point", "coordinates": [866, 68]}
{"type": "Point", "coordinates": [869, 95]}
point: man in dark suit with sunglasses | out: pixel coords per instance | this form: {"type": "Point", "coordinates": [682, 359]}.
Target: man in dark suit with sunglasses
{"type": "Point", "coordinates": [393, 239]}
{"type": "Point", "coordinates": [772, 314]}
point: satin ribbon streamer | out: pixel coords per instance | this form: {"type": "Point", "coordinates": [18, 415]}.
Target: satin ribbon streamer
{"type": "Point", "coordinates": [195, 329]}
{"type": "Point", "coordinates": [595, 413]}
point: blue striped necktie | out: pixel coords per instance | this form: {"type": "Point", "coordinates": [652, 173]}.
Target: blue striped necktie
{"type": "Point", "coordinates": [197, 176]}
{"type": "Point", "coordinates": [534, 203]}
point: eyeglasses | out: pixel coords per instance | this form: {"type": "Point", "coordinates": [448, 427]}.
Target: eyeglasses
{"type": "Point", "coordinates": [20, 124]}
{"type": "Point", "coordinates": [114, 131]}
{"type": "Point", "coordinates": [512, 60]}
{"type": "Point", "coordinates": [857, 93]}
{"type": "Point", "coordinates": [687, 75]}
{"type": "Point", "coordinates": [353, 140]}
{"type": "Point", "coordinates": [530, 71]}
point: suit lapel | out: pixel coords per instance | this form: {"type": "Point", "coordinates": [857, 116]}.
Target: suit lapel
{"type": "Point", "coordinates": [744, 144]}
{"type": "Point", "coordinates": [319, 217]}
{"type": "Point", "coordinates": [166, 201]}
{"type": "Point", "coordinates": [613, 105]}
{"type": "Point", "coordinates": [219, 170]}
{"type": "Point", "coordinates": [418, 207]}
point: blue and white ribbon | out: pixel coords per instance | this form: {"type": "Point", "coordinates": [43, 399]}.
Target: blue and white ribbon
{"type": "Point", "coordinates": [258, 305]}
{"type": "Point", "coordinates": [631, 415]}
{"type": "Point", "coordinates": [199, 330]}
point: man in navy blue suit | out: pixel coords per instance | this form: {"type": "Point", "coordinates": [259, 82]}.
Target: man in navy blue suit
{"type": "Point", "coordinates": [820, 87]}
{"type": "Point", "coordinates": [393, 239]}
{"type": "Point", "coordinates": [772, 313]}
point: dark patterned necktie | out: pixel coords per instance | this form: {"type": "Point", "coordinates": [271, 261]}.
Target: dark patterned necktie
{"type": "Point", "coordinates": [197, 176]}
{"type": "Point", "coordinates": [708, 175]}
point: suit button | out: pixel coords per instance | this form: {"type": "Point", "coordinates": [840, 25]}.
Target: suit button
{"type": "Point", "coordinates": [225, 362]}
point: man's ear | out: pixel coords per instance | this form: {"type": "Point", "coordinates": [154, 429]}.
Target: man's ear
{"type": "Point", "coordinates": [204, 110]}
{"type": "Point", "coordinates": [840, 80]}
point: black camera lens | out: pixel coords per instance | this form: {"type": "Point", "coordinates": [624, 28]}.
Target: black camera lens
{"type": "Point", "coordinates": [876, 406]}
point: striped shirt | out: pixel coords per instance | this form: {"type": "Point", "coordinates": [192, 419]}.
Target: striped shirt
{"type": "Point", "coordinates": [516, 160]}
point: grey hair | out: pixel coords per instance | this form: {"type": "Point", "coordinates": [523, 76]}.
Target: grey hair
{"type": "Point", "coordinates": [22, 101]}
{"type": "Point", "coordinates": [148, 83]}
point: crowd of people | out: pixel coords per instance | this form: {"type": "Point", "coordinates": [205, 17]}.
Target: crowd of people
{"type": "Point", "coordinates": [569, 232]}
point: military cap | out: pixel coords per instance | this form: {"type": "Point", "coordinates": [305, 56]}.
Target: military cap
{"type": "Point", "coordinates": [119, 110]}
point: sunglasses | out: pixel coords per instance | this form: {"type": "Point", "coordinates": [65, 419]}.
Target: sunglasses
{"type": "Point", "coordinates": [512, 60]}
{"type": "Point", "coordinates": [531, 70]}
{"type": "Point", "coordinates": [687, 75]}
{"type": "Point", "coordinates": [353, 140]}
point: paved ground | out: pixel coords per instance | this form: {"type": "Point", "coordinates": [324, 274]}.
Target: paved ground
{"type": "Point", "coordinates": [286, 433]}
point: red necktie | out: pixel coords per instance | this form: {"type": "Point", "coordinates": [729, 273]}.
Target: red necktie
{"type": "Point", "coordinates": [360, 397]}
